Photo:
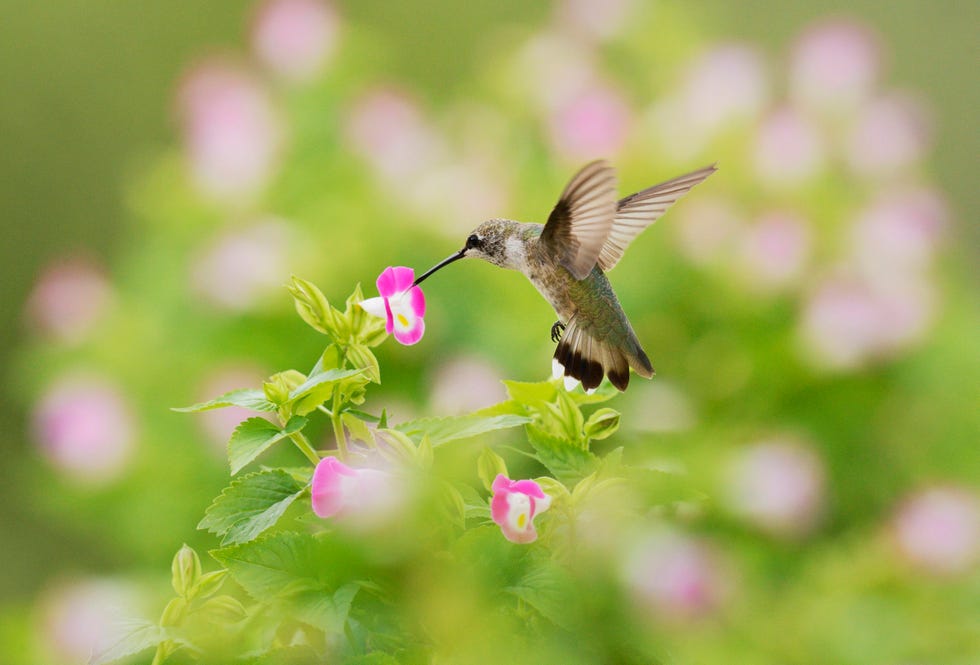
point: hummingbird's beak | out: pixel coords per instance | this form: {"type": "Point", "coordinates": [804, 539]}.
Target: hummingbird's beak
{"type": "Point", "coordinates": [442, 264]}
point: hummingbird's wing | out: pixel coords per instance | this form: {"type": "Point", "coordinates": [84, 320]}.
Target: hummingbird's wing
{"type": "Point", "coordinates": [580, 222]}
{"type": "Point", "coordinates": [638, 211]}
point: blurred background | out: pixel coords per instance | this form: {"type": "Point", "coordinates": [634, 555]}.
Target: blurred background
{"type": "Point", "coordinates": [811, 310]}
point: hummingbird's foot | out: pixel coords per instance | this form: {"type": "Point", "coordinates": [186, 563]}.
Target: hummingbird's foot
{"type": "Point", "coordinates": [556, 330]}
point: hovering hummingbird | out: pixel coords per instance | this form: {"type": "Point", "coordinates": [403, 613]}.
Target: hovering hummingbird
{"type": "Point", "coordinates": [567, 259]}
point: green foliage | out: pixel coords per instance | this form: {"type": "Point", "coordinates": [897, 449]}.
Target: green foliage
{"type": "Point", "coordinates": [251, 505]}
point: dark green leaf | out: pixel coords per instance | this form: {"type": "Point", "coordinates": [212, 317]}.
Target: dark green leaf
{"type": "Point", "coordinates": [249, 398]}
{"type": "Point", "coordinates": [250, 505]}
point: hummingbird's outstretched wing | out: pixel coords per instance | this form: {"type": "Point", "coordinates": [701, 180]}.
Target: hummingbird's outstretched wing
{"type": "Point", "coordinates": [638, 211]}
{"type": "Point", "coordinates": [580, 222]}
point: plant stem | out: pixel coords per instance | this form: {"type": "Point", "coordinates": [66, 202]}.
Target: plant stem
{"type": "Point", "coordinates": [304, 447]}
{"type": "Point", "coordinates": [338, 428]}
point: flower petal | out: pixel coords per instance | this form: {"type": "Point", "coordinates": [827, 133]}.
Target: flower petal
{"type": "Point", "coordinates": [412, 334]}
{"type": "Point", "coordinates": [374, 307]}
{"type": "Point", "coordinates": [416, 300]}
{"type": "Point", "coordinates": [331, 482]}
{"type": "Point", "coordinates": [395, 280]}
{"type": "Point", "coordinates": [528, 487]}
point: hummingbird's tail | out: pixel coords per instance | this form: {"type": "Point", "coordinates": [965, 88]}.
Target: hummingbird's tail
{"type": "Point", "coordinates": [587, 358]}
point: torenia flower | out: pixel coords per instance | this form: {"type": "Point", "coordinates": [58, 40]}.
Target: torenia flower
{"type": "Point", "coordinates": [365, 497]}
{"type": "Point", "coordinates": [402, 304]}
{"type": "Point", "coordinates": [514, 505]}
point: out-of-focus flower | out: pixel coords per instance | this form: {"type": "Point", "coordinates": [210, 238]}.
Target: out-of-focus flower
{"type": "Point", "coordinates": [789, 149]}
{"type": "Point", "coordinates": [219, 424]}
{"type": "Point", "coordinates": [774, 250]}
{"type": "Point", "coordinates": [362, 498]}
{"type": "Point", "coordinates": [890, 134]}
{"type": "Point", "coordinates": [899, 232]}
{"type": "Point", "coordinates": [595, 19]}
{"type": "Point", "coordinates": [834, 65]}
{"type": "Point", "coordinates": [726, 84]}
{"type": "Point", "coordinates": [294, 38]}
{"type": "Point", "coordinates": [675, 577]}
{"type": "Point", "coordinates": [658, 406]}
{"type": "Point", "coordinates": [705, 228]}
{"type": "Point", "coordinates": [594, 122]}
{"type": "Point", "coordinates": [69, 299]}
{"type": "Point", "coordinates": [84, 426]}
{"type": "Point", "coordinates": [938, 529]}
{"type": "Point", "coordinates": [848, 322]}
{"type": "Point", "coordinates": [778, 486]}
{"type": "Point", "coordinates": [466, 384]}
{"type": "Point", "coordinates": [230, 131]}
{"type": "Point", "coordinates": [243, 264]}
{"type": "Point", "coordinates": [386, 128]}
{"type": "Point", "coordinates": [401, 304]}
{"type": "Point", "coordinates": [553, 68]}
{"type": "Point", "coordinates": [514, 506]}
{"type": "Point", "coordinates": [83, 616]}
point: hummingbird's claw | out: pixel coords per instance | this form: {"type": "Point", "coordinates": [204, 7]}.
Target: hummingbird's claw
{"type": "Point", "coordinates": [556, 330]}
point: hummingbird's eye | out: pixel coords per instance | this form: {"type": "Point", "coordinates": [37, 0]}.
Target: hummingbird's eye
{"type": "Point", "coordinates": [473, 241]}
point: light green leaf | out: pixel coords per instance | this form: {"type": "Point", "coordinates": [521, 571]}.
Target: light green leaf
{"type": "Point", "coordinates": [135, 637]}
{"type": "Point", "coordinates": [250, 505]}
{"type": "Point", "coordinates": [185, 569]}
{"type": "Point", "coordinates": [317, 388]}
{"type": "Point", "coordinates": [602, 424]}
{"type": "Point", "coordinates": [358, 428]}
{"type": "Point", "coordinates": [444, 430]}
{"type": "Point", "coordinates": [529, 393]}
{"type": "Point", "coordinates": [549, 590]}
{"type": "Point", "coordinates": [249, 398]}
{"type": "Point", "coordinates": [605, 392]}
{"type": "Point", "coordinates": [255, 436]}
{"type": "Point", "coordinates": [488, 466]}
{"type": "Point", "coordinates": [361, 357]}
{"type": "Point", "coordinates": [313, 307]}
{"type": "Point", "coordinates": [327, 612]}
{"type": "Point", "coordinates": [567, 461]}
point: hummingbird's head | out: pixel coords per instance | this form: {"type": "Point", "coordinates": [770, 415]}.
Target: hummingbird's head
{"type": "Point", "coordinates": [496, 241]}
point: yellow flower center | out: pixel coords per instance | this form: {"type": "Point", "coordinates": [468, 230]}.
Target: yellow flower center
{"type": "Point", "coordinates": [402, 320]}
{"type": "Point", "coordinates": [521, 520]}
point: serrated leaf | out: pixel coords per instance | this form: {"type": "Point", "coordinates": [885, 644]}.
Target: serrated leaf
{"type": "Point", "coordinates": [250, 505]}
{"type": "Point", "coordinates": [566, 461]}
{"type": "Point", "coordinates": [318, 388]}
{"type": "Point", "coordinates": [444, 430]}
{"type": "Point", "coordinates": [254, 436]}
{"type": "Point", "coordinates": [284, 564]}
{"type": "Point", "coordinates": [549, 590]}
{"type": "Point", "coordinates": [249, 398]}
{"type": "Point", "coordinates": [327, 612]}
{"type": "Point", "coordinates": [136, 637]}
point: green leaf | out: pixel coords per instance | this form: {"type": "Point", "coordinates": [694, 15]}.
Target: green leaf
{"type": "Point", "coordinates": [444, 430]}
{"type": "Point", "coordinates": [248, 398]}
{"type": "Point", "coordinates": [255, 436]}
{"type": "Point", "coordinates": [251, 505]}
{"type": "Point", "coordinates": [602, 424]}
{"type": "Point", "coordinates": [286, 563]}
{"type": "Point", "coordinates": [396, 446]}
{"type": "Point", "coordinates": [208, 584]}
{"type": "Point", "coordinates": [327, 612]}
{"type": "Point", "coordinates": [361, 357]}
{"type": "Point", "coordinates": [358, 428]}
{"type": "Point", "coordinates": [137, 637]}
{"type": "Point", "coordinates": [488, 466]}
{"type": "Point", "coordinates": [313, 307]}
{"type": "Point", "coordinates": [605, 392]}
{"type": "Point", "coordinates": [529, 393]}
{"type": "Point", "coordinates": [548, 589]}
{"type": "Point", "coordinates": [566, 461]}
{"type": "Point", "coordinates": [185, 569]}
{"type": "Point", "coordinates": [570, 416]}
{"type": "Point", "coordinates": [279, 385]}
{"type": "Point", "coordinates": [318, 388]}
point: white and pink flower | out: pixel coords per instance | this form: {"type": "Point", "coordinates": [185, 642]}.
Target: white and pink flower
{"type": "Point", "coordinates": [401, 304]}
{"type": "Point", "coordinates": [363, 498]}
{"type": "Point", "coordinates": [514, 506]}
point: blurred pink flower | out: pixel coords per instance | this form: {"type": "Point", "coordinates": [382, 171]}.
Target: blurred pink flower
{"type": "Point", "coordinates": [899, 232]}
{"type": "Point", "coordinates": [361, 498]}
{"type": "Point", "coordinates": [834, 65]}
{"type": "Point", "coordinates": [890, 134]}
{"type": "Point", "coordinates": [775, 249]}
{"type": "Point", "coordinates": [675, 577]}
{"type": "Point", "coordinates": [706, 227]}
{"type": "Point", "coordinates": [595, 19]}
{"type": "Point", "coordinates": [82, 616]}
{"type": "Point", "coordinates": [848, 322]}
{"type": "Point", "coordinates": [385, 127]}
{"type": "Point", "coordinates": [466, 384]}
{"type": "Point", "coordinates": [85, 428]}
{"type": "Point", "coordinates": [243, 264]}
{"type": "Point", "coordinates": [727, 84]}
{"type": "Point", "coordinates": [219, 424]}
{"type": "Point", "coordinates": [594, 122]}
{"type": "Point", "coordinates": [789, 149]}
{"type": "Point", "coordinates": [401, 304]}
{"type": "Point", "coordinates": [938, 529]}
{"type": "Point", "coordinates": [231, 134]}
{"type": "Point", "coordinates": [294, 38]}
{"type": "Point", "coordinates": [69, 299]}
{"type": "Point", "coordinates": [514, 506]}
{"type": "Point", "coordinates": [778, 486]}
{"type": "Point", "coordinates": [553, 68]}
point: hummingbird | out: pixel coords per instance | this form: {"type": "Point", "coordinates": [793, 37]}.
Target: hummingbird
{"type": "Point", "coordinates": [567, 259]}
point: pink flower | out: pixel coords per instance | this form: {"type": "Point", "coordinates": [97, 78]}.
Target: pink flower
{"type": "Point", "coordinates": [594, 122]}
{"type": "Point", "coordinates": [899, 232]}
{"type": "Point", "coordinates": [514, 505]}
{"type": "Point", "coordinates": [466, 384]}
{"type": "Point", "coordinates": [402, 304]}
{"type": "Point", "coordinates": [890, 134]}
{"type": "Point", "coordinates": [69, 299]}
{"type": "Point", "coordinates": [774, 250]}
{"type": "Point", "coordinates": [293, 38]}
{"type": "Point", "coordinates": [834, 64]}
{"type": "Point", "coordinates": [724, 85]}
{"type": "Point", "coordinates": [938, 529]}
{"type": "Point", "coordinates": [361, 497]}
{"type": "Point", "coordinates": [789, 149]}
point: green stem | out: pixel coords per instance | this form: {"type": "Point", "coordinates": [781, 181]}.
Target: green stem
{"type": "Point", "coordinates": [304, 447]}
{"type": "Point", "coordinates": [338, 428]}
